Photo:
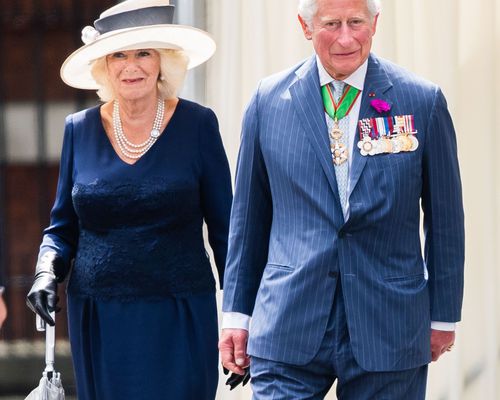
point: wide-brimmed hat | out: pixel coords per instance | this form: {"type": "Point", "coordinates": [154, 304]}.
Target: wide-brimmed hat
{"type": "Point", "coordinates": [130, 25]}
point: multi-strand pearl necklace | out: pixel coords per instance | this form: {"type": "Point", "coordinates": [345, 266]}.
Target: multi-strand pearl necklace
{"type": "Point", "coordinates": [129, 149]}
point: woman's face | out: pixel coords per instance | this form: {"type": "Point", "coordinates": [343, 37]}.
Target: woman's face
{"type": "Point", "coordinates": [133, 74]}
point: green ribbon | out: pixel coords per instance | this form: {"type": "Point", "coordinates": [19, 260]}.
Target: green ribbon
{"type": "Point", "coordinates": [338, 111]}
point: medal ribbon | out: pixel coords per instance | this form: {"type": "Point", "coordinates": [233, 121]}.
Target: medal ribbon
{"type": "Point", "coordinates": [338, 111]}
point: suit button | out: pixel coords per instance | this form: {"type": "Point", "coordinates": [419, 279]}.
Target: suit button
{"type": "Point", "coordinates": [333, 274]}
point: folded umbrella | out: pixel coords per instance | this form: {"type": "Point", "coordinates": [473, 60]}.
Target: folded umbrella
{"type": "Point", "coordinates": [50, 386]}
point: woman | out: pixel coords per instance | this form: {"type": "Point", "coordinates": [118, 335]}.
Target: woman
{"type": "Point", "coordinates": [138, 176]}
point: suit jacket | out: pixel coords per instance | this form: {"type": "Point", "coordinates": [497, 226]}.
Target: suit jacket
{"type": "Point", "coordinates": [289, 244]}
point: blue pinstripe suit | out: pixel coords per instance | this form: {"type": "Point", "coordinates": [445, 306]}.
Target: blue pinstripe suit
{"type": "Point", "coordinates": [289, 242]}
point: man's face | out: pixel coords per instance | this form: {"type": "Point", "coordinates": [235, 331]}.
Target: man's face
{"type": "Point", "coordinates": [341, 33]}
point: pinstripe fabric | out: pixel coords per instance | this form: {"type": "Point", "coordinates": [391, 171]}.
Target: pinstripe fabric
{"type": "Point", "coordinates": [288, 238]}
{"type": "Point", "coordinates": [334, 361]}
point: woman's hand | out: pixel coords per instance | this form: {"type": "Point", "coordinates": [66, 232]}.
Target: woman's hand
{"type": "Point", "coordinates": [42, 298]}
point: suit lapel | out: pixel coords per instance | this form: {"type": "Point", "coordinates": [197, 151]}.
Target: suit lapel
{"type": "Point", "coordinates": [305, 93]}
{"type": "Point", "coordinates": [378, 83]}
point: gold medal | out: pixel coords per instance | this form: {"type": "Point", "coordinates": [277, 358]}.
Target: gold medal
{"type": "Point", "coordinates": [396, 144]}
{"type": "Point", "coordinates": [366, 146]}
{"type": "Point", "coordinates": [339, 153]}
{"type": "Point", "coordinates": [414, 142]}
{"type": "Point", "coordinates": [386, 145]}
{"type": "Point", "coordinates": [336, 132]}
{"type": "Point", "coordinates": [405, 143]}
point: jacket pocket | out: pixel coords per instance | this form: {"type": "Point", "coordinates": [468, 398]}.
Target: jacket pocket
{"type": "Point", "coordinates": [404, 278]}
{"type": "Point", "coordinates": [280, 267]}
{"type": "Point", "coordinates": [407, 284]}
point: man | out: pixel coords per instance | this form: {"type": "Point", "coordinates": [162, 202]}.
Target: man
{"type": "Point", "coordinates": [337, 154]}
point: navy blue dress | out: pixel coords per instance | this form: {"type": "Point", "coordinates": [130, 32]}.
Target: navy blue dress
{"type": "Point", "coordinates": [141, 294]}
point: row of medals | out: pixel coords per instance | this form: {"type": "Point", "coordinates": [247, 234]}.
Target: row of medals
{"type": "Point", "coordinates": [395, 143]}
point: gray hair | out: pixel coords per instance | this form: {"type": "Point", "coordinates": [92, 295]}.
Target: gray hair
{"type": "Point", "coordinates": [308, 8]}
{"type": "Point", "coordinates": [173, 68]}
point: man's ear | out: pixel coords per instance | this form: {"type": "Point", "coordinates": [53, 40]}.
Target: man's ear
{"type": "Point", "coordinates": [374, 26]}
{"type": "Point", "coordinates": [305, 28]}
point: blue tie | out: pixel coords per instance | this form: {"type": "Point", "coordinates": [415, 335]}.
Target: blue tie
{"type": "Point", "coordinates": [342, 170]}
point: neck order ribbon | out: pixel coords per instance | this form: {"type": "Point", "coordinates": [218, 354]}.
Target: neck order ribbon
{"type": "Point", "coordinates": [339, 110]}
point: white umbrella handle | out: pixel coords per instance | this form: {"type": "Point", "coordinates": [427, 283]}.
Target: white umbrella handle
{"type": "Point", "coordinates": [50, 341]}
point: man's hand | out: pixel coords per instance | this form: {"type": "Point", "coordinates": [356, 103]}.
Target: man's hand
{"type": "Point", "coordinates": [441, 342]}
{"type": "Point", "coordinates": [3, 311]}
{"type": "Point", "coordinates": [233, 350]}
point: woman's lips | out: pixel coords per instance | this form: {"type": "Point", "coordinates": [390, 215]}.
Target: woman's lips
{"type": "Point", "coordinates": [134, 80]}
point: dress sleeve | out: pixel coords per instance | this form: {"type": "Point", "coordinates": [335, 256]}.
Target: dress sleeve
{"type": "Point", "coordinates": [215, 188]}
{"type": "Point", "coordinates": [61, 235]}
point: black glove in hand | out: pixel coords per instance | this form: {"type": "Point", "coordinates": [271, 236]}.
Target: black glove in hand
{"type": "Point", "coordinates": [42, 297]}
{"type": "Point", "coordinates": [235, 379]}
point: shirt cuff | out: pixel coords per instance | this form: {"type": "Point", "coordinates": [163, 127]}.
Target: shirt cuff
{"type": "Point", "coordinates": [443, 326]}
{"type": "Point", "coordinates": [2, 289]}
{"type": "Point", "coordinates": [235, 320]}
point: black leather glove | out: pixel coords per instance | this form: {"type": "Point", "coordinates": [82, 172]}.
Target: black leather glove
{"type": "Point", "coordinates": [42, 297]}
{"type": "Point", "coordinates": [235, 379]}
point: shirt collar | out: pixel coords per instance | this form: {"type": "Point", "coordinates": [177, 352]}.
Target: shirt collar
{"type": "Point", "coordinates": [356, 79]}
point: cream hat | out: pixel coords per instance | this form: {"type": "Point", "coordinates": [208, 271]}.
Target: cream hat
{"type": "Point", "coordinates": [134, 24]}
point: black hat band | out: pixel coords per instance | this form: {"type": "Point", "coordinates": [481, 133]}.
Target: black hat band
{"type": "Point", "coordinates": [135, 18]}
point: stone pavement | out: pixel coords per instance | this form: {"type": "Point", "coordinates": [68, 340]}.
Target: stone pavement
{"type": "Point", "coordinates": [22, 364]}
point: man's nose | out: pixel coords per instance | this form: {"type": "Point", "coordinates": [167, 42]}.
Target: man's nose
{"type": "Point", "coordinates": [345, 36]}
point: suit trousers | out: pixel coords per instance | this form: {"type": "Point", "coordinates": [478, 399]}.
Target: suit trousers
{"type": "Point", "coordinates": [334, 362]}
